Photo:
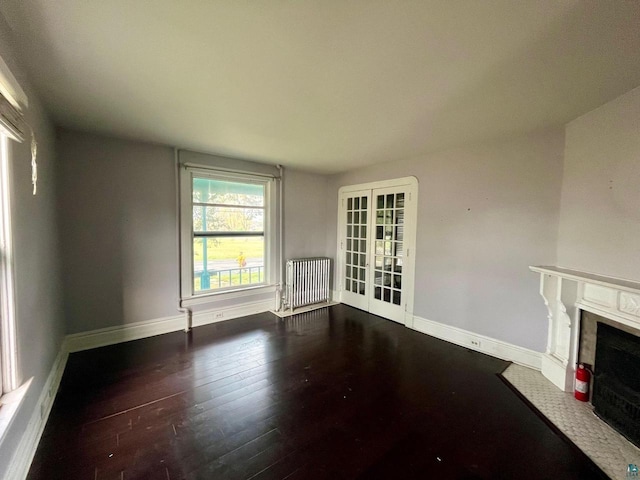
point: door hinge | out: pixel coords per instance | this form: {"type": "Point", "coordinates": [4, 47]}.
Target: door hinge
{"type": "Point", "coordinates": [408, 252]}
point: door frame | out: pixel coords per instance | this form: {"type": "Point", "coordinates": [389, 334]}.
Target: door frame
{"type": "Point", "coordinates": [409, 234]}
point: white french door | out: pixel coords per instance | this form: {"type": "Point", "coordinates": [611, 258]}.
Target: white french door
{"type": "Point", "coordinates": [376, 248]}
{"type": "Point", "coordinates": [355, 248]}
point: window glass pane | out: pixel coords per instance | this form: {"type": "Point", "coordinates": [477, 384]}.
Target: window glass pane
{"type": "Point", "coordinates": [207, 190]}
{"type": "Point", "coordinates": [227, 219]}
{"type": "Point", "coordinates": [223, 262]}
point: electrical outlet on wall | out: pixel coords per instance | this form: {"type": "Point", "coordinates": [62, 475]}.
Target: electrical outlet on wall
{"type": "Point", "coordinates": [218, 315]}
{"type": "Point", "coordinates": [475, 343]}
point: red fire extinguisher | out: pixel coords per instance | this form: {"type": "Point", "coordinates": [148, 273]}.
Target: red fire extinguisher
{"type": "Point", "coordinates": [583, 378]}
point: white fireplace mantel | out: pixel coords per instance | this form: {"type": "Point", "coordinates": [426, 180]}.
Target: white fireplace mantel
{"type": "Point", "coordinates": [565, 293]}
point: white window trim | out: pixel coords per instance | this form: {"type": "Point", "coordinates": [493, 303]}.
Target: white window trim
{"type": "Point", "coordinates": [8, 345]}
{"type": "Point", "coordinates": [187, 296]}
{"type": "Point", "coordinates": [12, 393]}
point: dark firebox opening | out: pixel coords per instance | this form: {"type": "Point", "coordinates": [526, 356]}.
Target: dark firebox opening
{"type": "Point", "coordinates": [616, 387]}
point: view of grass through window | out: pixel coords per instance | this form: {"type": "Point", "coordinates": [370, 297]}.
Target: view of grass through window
{"type": "Point", "coordinates": [228, 234]}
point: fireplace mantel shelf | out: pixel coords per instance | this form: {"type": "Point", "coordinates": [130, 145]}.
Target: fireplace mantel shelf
{"type": "Point", "coordinates": [566, 292]}
{"type": "Point", "coordinates": [578, 276]}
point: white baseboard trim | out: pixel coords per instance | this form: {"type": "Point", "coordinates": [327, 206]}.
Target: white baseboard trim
{"type": "Point", "coordinates": [123, 333]}
{"type": "Point", "coordinates": [221, 314]}
{"type": "Point", "coordinates": [149, 328]}
{"type": "Point", "coordinates": [26, 450]}
{"type": "Point", "coordinates": [301, 310]}
{"type": "Point", "coordinates": [479, 343]}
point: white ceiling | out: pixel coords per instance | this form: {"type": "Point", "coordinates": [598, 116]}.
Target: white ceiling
{"type": "Point", "coordinates": [324, 85]}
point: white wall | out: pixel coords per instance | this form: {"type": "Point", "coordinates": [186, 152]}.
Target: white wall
{"type": "Point", "coordinates": [118, 229]}
{"type": "Point", "coordinates": [486, 212]}
{"type": "Point", "coordinates": [40, 324]}
{"type": "Point", "coordinates": [305, 214]}
{"type": "Point", "coordinates": [600, 208]}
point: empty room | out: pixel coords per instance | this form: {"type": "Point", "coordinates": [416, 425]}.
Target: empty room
{"type": "Point", "coordinates": [319, 240]}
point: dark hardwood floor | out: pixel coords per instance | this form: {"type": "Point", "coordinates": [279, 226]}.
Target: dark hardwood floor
{"type": "Point", "coordinates": [336, 393]}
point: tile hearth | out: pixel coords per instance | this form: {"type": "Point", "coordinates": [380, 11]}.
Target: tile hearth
{"type": "Point", "coordinates": [606, 447]}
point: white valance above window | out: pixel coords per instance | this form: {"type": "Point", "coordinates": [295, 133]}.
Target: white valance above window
{"type": "Point", "coordinates": [12, 100]}
{"type": "Point", "coordinates": [12, 121]}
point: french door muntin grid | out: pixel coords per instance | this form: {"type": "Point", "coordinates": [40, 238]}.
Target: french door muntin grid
{"type": "Point", "coordinates": [389, 247]}
{"type": "Point", "coordinates": [356, 245]}
{"type": "Point", "coordinates": [376, 270]}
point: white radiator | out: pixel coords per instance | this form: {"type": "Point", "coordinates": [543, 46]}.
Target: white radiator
{"type": "Point", "coordinates": [307, 281]}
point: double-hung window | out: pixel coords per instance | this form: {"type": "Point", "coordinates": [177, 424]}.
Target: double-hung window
{"type": "Point", "coordinates": [227, 229]}
{"type": "Point", "coordinates": [12, 128]}
{"type": "Point", "coordinates": [228, 233]}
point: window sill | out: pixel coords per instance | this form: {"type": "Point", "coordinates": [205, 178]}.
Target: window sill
{"type": "Point", "coordinates": [10, 405]}
{"type": "Point", "coordinates": [227, 295]}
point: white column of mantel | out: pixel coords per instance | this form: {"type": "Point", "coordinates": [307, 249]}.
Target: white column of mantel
{"type": "Point", "coordinates": [558, 361]}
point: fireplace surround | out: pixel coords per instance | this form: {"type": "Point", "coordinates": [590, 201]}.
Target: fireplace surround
{"type": "Point", "coordinates": [566, 294]}
{"type": "Point", "coordinates": [572, 296]}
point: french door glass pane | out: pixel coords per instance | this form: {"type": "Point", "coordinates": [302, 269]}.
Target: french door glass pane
{"type": "Point", "coordinates": [389, 248]}
{"type": "Point", "coordinates": [356, 251]}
